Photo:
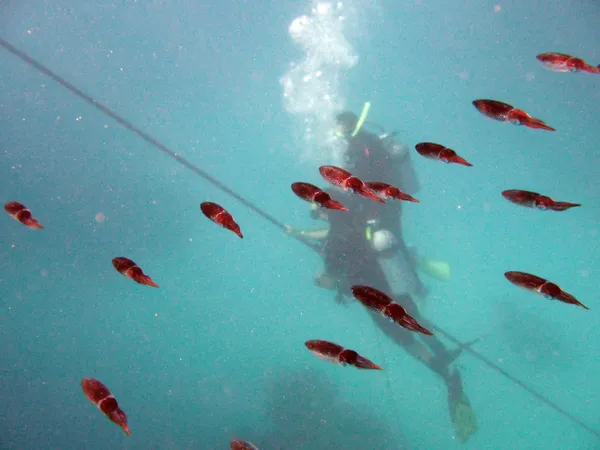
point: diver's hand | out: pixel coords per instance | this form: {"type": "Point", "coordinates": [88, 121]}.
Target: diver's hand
{"type": "Point", "coordinates": [340, 299]}
{"type": "Point", "coordinates": [294, 231]}
{"type": "Point", "coordinates": [325, 281]}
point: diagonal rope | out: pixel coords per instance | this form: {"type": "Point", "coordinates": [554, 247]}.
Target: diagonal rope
{"type": "Point", "coordinates": [145, 136]}
{"type": "Point", "coordinates": [166, 150]}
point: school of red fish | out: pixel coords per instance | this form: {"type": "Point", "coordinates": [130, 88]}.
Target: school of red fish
{"type": "Point", "coordinates": [378, 191]}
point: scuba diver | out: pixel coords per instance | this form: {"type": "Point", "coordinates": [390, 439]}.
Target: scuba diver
{"type": "Point", "coordinates": [349, 259]}
{"type": "Point", "coordinates": [373, 157]}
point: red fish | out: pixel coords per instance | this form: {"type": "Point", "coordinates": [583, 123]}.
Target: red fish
{"type": "Point", "coordinates": [534, 200]}
{"type": "Point", "coordinates": [345, 180]}
{"type": "Point", "coordinates": [441, 153]}
{"type": "Point", "coordinates": [386, 191]}
{"type": "Point", "coordinates": [220, 216]}
{"type": "Point", "coordinates": [238, 444]}
{"type": "Point", "coordinates": [127, 267]}
{"type": "Point", "coordinates": [313, 194]}
{"type": "Point", "coordinates": [383, 304]}
{"type": "Point", "coordinates": [100, 396]}
{"type": "Point", "coordinates": [560, 62]}
{"type": "Point", "coordinates": [21, 213]}
{"type": "Point", "coordinates": [541, 286]}
{"type": "Point", "coordinates": [507, 113]}
{"type": "Point", "coordinates": [337, 354]}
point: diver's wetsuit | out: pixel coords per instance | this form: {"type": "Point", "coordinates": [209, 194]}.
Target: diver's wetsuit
{"type": "Point", "coordinates": [349, 258]}
{"type": "Point", "coordinates": [346, 252]}
{"type": "Point", "coordinates": [369, 160]}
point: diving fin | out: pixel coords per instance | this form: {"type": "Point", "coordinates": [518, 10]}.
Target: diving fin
{"type": "Point", "coordinates": [461, 411]}
{"type": "Point", "coordinates": [463, 417]}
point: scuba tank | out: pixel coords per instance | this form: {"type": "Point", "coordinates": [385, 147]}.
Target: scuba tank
{"type": "Point", "coordinates": [386, 245]}
{"type": "Point", "coordinates": [383, 240]}
{"type": "Point", "coordinates": [394, 259]}
{"type": "Point", "coordinates": [388, 140]}
{"type": "Point", "coordinates": [400, 152]}
{"type": "Point", "coordinates": [393, 147]}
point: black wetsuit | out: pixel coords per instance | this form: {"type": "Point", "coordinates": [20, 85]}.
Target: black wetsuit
{"type": "Point", "coordinates": [350, 260]}
{"type": "Point", "coordinates": [346, 252]}
{"type": "Point", "coordinates": [369, 160]}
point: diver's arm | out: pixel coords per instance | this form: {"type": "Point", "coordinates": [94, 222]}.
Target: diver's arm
{"type": "Point", "coordinates": [317, 235]}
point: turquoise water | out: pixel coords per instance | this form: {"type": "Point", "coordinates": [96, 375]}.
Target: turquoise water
{"type": "Point", "coordinates": [217, 352]}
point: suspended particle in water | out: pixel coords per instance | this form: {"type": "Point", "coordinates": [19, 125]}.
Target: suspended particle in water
{"type": "Point", "coordinates": [100, 217]}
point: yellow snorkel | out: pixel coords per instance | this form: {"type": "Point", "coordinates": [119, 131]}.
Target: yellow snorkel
{"type": "Point", "coordinates": [360, 123]}
{"type": "Point", "coordinates": [362, 118]}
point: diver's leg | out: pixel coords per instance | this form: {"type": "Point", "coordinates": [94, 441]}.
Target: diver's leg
{"type": "Point", "coordinates": [442, 356]}
{"type": "Point", "coordinates": [410, 256]}
{"type": "Point", "coordinates": [459, 406]}
{"type": "Point", "coordinates": [412, 262]}
{"type": "Point", "coordinates": [398, 264]}
{"type": "Point", "coordinates": [412, 345]}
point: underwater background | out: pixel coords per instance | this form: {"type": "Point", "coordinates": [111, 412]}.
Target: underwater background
{"type": "Point", "coordinates": [245, 90]}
